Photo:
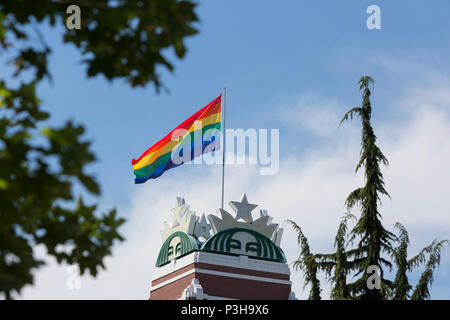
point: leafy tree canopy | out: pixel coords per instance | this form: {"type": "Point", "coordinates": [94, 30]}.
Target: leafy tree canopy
{"type": "Point", "coordinates": [119, 39]}
{"type": "Point", "coordinates": [39, 165]}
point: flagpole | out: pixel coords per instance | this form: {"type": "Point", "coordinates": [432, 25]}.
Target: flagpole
{"type": "Point", "coordinates": [223, 141]}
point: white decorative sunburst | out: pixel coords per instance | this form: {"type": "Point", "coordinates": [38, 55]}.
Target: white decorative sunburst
{"type": "Point", "coordinates": [187, 221]}
{"type": "Point", "coordinates": [202, 228]}
{"type": "Point", "coordinates": [183, 220]}
{"type": "Point", "coordinates": [243, 211]}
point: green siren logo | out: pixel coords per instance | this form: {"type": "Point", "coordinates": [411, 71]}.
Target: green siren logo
{"type": "Point", "coordinates": [239, 235]}
{"type": "Point", "coordinates": [244, 242]}
{"type": "Point", "coordinates": [176, 245]}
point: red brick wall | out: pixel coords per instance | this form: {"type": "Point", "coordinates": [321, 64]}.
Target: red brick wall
{"type": "Point", "coordinates": [173, 290]}
{"type": "Point", "coordinates": [242, 271]}
{"type": "Point", "coordinates": [173, 274]}
{"type": "Point", "coordinates": [242, 288]}
{"type": "Point", "coordinates": [224, 286]}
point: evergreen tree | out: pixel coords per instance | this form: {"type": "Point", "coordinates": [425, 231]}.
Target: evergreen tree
{"type": "Point", "coordinates": [374, 239]}
{"type": "Point", "coordinates": [307, 263]}
{"type": "Point", "coordinates": [338, 262]}
{"type": "Point", "coordinates": [375, 244]}
{"type": "Point", "coordinates": [422, 289]}
{"type": "Point", "coordinates": [400, 255]}
{"type": "Point", "coordinates": [430, 254]}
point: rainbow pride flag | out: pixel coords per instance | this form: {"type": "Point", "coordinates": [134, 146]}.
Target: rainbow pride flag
{"type": "Point", "coordinates": [196, 135]}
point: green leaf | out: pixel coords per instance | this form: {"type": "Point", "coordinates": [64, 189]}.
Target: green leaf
{"type": "Point", "coordinates": [3, 184]}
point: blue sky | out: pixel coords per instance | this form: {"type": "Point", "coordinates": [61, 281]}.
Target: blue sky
{"type": "Point", "coordinates": [277, 59]}
{"type": "Point", "coordinates": [262, 52]}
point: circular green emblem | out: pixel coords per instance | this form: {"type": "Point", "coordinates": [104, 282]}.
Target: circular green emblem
{"type": "Point", "coordinates": [176, 245]}
{"type": "Point", "coordinates": [244, 242]}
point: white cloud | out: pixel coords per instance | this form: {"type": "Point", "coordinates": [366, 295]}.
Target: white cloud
{"type": "Point", "coordinates": [313, 113]}
{"type": "Point", "coordinates": [310, 190]}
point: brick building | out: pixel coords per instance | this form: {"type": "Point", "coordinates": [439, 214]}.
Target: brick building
{"type": "Point", "coordinates": [221, 258]}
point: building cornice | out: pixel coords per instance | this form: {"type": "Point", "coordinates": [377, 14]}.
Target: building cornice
{"type": "Point", "coordinates": [241, 262]}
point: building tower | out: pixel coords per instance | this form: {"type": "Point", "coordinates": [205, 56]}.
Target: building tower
{"type": "Point", "coordinates": [221, 258]}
